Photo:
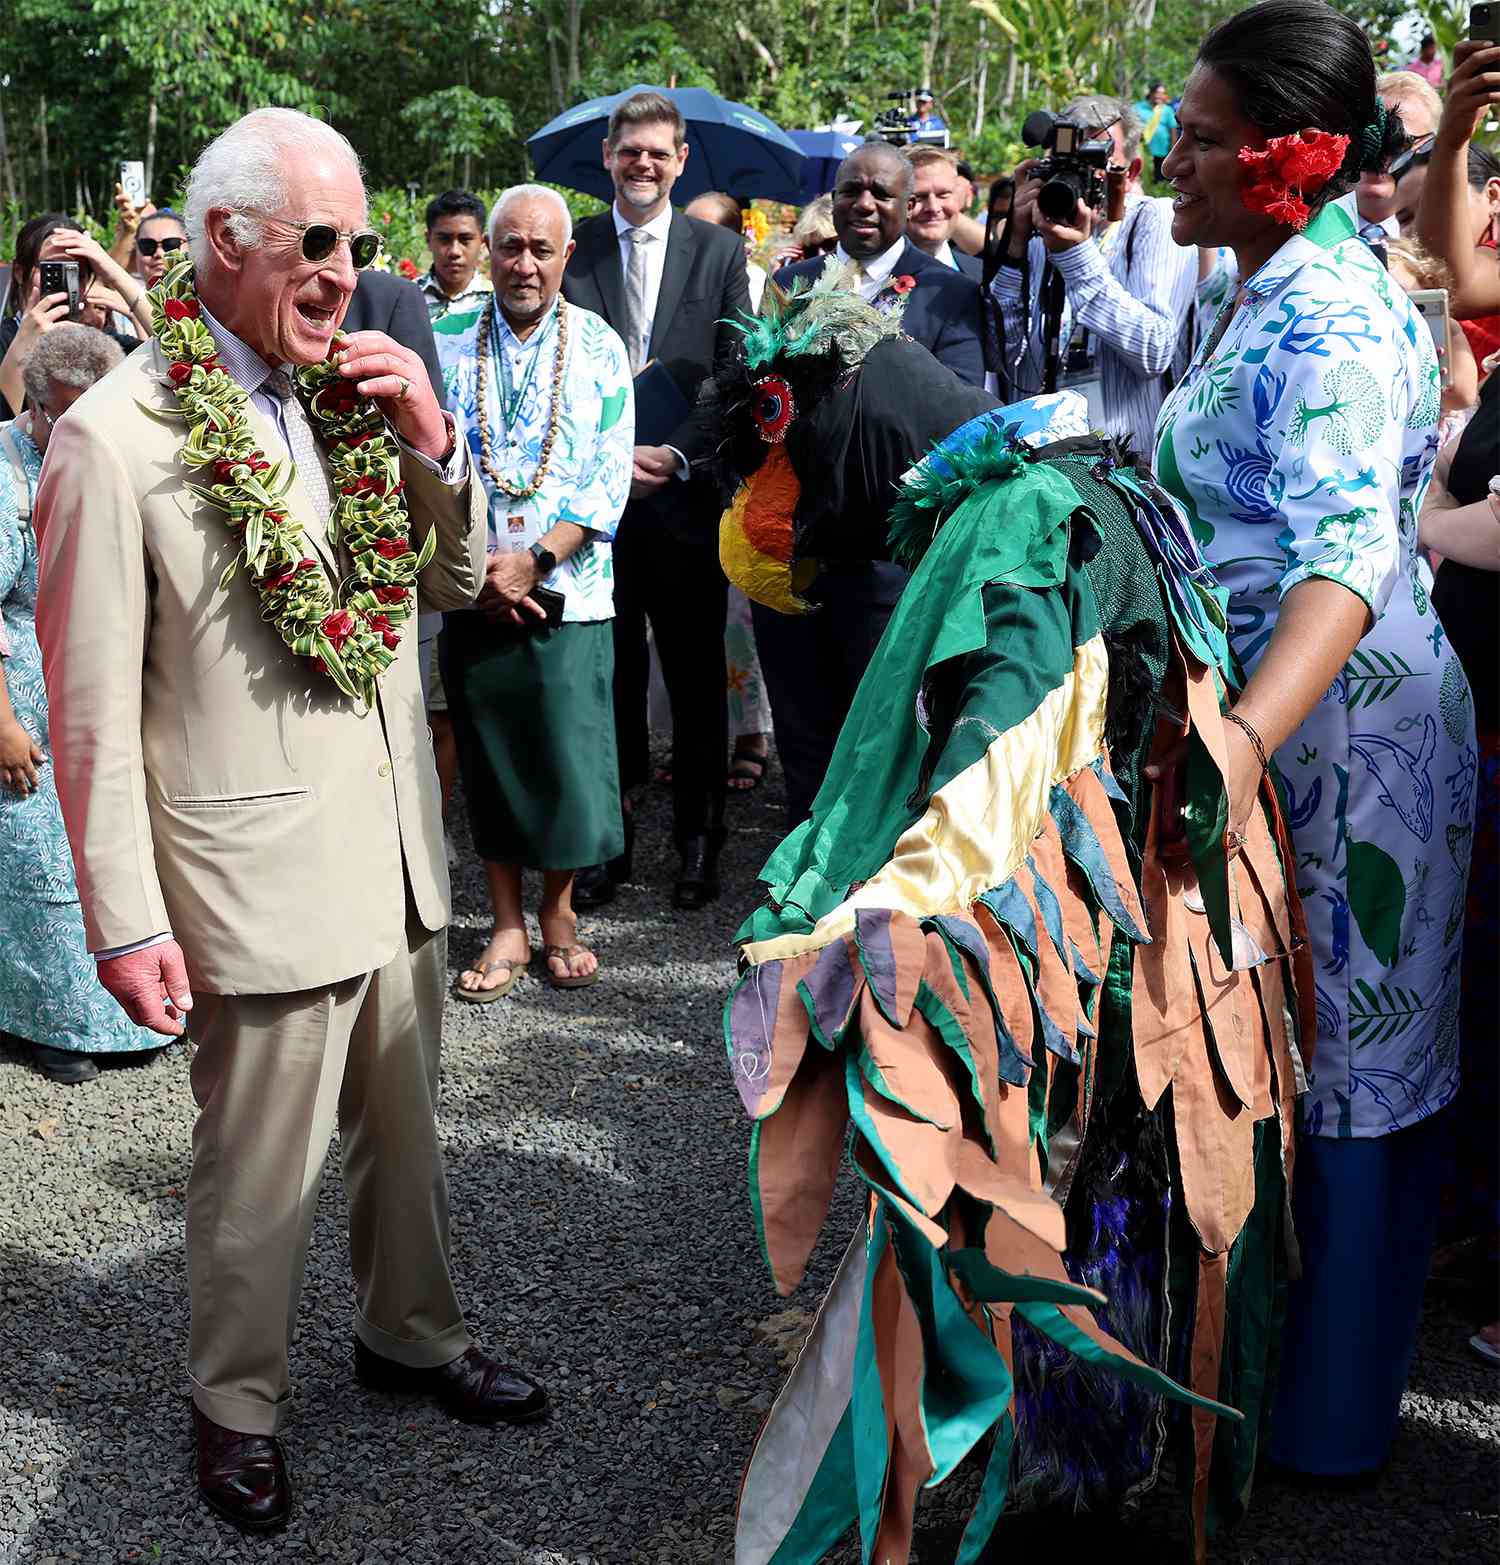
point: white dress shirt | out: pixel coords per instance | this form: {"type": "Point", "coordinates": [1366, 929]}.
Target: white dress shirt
{"type": "Point", "coordinates": [654, 254]}
{"type": "Point", "coordinates": [878, 268]}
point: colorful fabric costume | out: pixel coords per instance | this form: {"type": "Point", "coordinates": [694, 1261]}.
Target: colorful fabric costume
{"type": "Point", "coordinates": [1066, 1048]}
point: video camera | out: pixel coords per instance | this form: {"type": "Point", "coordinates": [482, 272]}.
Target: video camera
{"type": "Point", "coordinates": [892, 124]}
{"type": "Point", "coordinates": [1076, 168]}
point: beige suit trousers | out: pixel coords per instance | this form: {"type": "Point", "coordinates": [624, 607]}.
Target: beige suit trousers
{"type": "Point", "coordinates": [270, 1076]}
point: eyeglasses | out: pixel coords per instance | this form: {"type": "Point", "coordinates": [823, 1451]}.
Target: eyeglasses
{"type": "Point", "coordinates": [149, 247]}
{"type": "Point", "coordinates": [1420, 148]}
{"type": "Point", "coordinates": [320, 240]}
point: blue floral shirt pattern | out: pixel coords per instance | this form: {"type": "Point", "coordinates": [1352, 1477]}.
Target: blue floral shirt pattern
{"type": "Point", "coordinates": [1301, 443]}
{"type": "Point", "coordinates": [588, 478]}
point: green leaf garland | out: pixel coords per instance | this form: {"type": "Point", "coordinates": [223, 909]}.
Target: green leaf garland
{"type": "Point", "coordinates": [351, 630]}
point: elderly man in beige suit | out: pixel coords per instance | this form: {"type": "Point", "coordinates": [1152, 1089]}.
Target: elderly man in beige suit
{"type": "Point", "coordinates": [257, 853]}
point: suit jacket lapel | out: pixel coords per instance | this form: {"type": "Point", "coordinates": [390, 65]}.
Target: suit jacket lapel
{"type": "Point", "coordinates": [682, 246]}
{"type": "Point", "coordinates": [603, 266]}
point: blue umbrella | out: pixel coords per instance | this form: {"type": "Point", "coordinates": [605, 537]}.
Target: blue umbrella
{"type": "Point", "coordinates": [732, 148]}
{"type": "Point", "coordinates": [823, 150]}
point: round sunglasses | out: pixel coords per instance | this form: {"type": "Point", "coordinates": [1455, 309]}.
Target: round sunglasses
{"type": "Point", "coordinates": [320, 240]}
{"type": "Point", "coordinates": [149, 247]}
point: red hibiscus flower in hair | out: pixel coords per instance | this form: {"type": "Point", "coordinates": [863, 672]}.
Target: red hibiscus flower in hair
{"type": "Point", "coordinates": [1288, 169]}
{"type": "Point", "coordinates": [181, 309]}
{"type": "Point", "coordinates": [338, 627]}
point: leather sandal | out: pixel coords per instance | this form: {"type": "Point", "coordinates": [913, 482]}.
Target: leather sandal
{"type": "Point", "coordinates": [564, 955]}
{"type": "Point", "coordinates": [482, 970]}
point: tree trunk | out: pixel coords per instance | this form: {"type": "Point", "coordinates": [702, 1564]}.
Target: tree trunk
{"type": "Point", "coordinates": [150, 144]}
{"type": "Point", "coordinates": [1025, 81]}
{"type": "Point", "coordinates": [7, 178]}
{"type": "Point", "coordinates": [559, 103]}
{"type": "Point", "coordinates": [1010, 77]}
{"type": "Point", "coordinates": [847, 5]}
{"type": "Point", "coordinates": [41, 120]}
{"type": "Point", "coordinates": [575, 24]}
{"type": "Point", "coordinates": [981, 87]}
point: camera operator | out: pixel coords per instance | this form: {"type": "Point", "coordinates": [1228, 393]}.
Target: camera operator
{"type": "Point", "coordinates": [1127, 288]}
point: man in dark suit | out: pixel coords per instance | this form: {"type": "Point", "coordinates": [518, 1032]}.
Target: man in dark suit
{"type": "Point", "coordinates": [870, 205]}
{"type": "Point", "coordinates": [813, 663]}
{"type": "Point", "coordinates": [936, 210]}
{"type": "Point", "coordinates": [666, 283]}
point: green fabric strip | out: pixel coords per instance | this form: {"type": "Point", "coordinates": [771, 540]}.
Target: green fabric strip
{"type": "Point", "coordinates": [828, 1511]}
{"type": "Point", "coordinates": [867, 1401]}
{"type": "Point", "coordinates": [992, 1492]}
{"type": "Point", "coordinates": [1017, 530]}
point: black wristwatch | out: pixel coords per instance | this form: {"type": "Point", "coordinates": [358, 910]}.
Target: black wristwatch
{"type": "Point", "coordinates": [546, 560]}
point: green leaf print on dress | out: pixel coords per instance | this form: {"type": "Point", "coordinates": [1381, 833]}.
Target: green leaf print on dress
{"type": "Point", "coordinates": [1378, 1015]}
{"type": "Point", "coordinates": [1373, 676]}
{"type": "Point", "coordinates": [1377, 898]}
{"type": "Point", "coordinates": [1355, 410]}
{"type": "Point", "coordinates": [1216, 392]}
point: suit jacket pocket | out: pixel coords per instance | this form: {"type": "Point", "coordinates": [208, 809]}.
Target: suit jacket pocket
{"type": "Point", "coordinates": [220, 801]}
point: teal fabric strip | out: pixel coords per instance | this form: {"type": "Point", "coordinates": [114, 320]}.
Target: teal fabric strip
{"type": "Point", "coordinates": [867, 1402]}
{"type": "Point", "coordinates": [828, 1511]}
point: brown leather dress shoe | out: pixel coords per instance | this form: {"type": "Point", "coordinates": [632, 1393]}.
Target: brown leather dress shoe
{"type": "Point", "coordinates": [241, 1477]}
{"type": "Point", "coordinates": [474, 1388]}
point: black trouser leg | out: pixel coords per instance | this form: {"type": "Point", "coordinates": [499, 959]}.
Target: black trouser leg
{"type": "Point", "coordinates": [632, 660]}
{"type": "Point", "coordinates": [687, 599]}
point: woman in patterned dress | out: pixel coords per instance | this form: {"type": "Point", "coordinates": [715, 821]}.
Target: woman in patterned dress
{"type": "Point", "coordinates": [1300, 443]}
{"type": "Point", "coordinates": [50, 996]}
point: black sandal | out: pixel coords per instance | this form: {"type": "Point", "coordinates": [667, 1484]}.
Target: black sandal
{"type": "Point", "coordinates": [741, 779]}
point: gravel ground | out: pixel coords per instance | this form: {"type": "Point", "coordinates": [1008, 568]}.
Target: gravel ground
{"type": "Point", "coordinates": [602, 1239]}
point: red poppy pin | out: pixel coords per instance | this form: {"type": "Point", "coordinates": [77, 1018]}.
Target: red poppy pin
{"type": "Point", "coordinates": [902, 284]}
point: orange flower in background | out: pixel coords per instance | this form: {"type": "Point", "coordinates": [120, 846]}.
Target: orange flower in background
{"type": "Point", "coordinates": [756, 225]}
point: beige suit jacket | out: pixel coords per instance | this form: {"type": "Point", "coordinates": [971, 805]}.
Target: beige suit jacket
{"type": "Point", "coordinates": [213, 784]}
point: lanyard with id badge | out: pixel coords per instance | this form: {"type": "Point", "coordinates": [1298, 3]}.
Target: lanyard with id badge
{"type": "Point", "coordinates": [515, 524]}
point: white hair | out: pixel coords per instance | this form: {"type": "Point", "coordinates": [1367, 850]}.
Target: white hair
{"type": "Point", "coordinates": [244, 170]}
{"type": "Point", "coordinates": [530, 193]}
{"type": "Point", "coordinates": [71, 354]}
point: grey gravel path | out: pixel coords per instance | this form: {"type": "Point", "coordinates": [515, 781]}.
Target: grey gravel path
{"type": "Point", "coordinates": [602, 1239]}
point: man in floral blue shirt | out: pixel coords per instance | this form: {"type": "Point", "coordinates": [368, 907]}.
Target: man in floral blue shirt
{"type": "Point", "coordinates": [542, 391]}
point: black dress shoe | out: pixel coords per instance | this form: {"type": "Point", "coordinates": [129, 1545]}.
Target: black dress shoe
{"type": "Point", "coordinates": [477, 1389]}
{"type": "Point", "coordinates": [63, 1064]}
{"type": "Point", "coordinates": [593, 887]}
{"type": "Point", "coordinates": [698, 876]}
{"type": "Point", "coordinates": [242, 1478]}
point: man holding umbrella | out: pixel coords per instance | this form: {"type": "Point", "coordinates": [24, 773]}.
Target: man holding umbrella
{"type": "Point", "coordinates": [667, 284]}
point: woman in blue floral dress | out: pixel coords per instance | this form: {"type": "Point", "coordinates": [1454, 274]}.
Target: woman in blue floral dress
{"type": "Point", "coordinates": [50, 996]}
{"type": "Point", "coordinates": [1301, 442]}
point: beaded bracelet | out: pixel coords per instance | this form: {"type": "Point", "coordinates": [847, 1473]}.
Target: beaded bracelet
{"type": "Point", "coordinates": [1255, 739]}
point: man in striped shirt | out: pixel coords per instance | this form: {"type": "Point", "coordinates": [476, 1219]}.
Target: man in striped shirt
{"type": "Point", "coordinates": [1127, 289]}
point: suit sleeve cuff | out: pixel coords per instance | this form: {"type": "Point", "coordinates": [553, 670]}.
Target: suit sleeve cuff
{"type": "Point", "coordinates": [684, 467]}
{"type": "Point", "coordinates": [455, 469]}
{"type": "Point", "coordinates": [138, 945]}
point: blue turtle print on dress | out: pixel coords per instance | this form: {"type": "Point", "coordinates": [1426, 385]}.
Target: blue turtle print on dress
{"type": "Point", "coordinates": [1300, 444]}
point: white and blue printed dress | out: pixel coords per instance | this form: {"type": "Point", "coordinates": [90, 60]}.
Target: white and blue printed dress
{"type": "Point", "coordinates": [49, 988]}
{"type": "Point", "coordinates": [1301, 442]}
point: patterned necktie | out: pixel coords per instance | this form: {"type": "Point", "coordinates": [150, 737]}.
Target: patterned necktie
{"type": "Point", "coordinates": [635, 298]}
{"type": "Point", "coordinates": [311, 473]}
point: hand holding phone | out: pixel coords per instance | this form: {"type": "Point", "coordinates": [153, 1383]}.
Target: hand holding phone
{"type": "Point", "coordinates": [62, 277]}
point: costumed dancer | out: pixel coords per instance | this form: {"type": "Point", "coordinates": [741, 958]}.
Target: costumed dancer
{"type": "Point", "coordinates": [1300, 444]}
{"type": "Point", "coordinates": [1053, 1000]}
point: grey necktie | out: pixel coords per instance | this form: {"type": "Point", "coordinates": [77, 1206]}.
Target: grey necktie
{"type": "Point", "coordinates": [311, 473]}
{"type": "Point", "coordinates": [635, 298]}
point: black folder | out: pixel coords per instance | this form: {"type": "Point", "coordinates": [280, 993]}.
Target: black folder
{"type": "Point", "coordinates": [660, 407]}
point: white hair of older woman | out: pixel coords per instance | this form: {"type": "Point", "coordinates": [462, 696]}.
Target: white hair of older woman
{"type": "Point", "coordinates": [530, 193]}
{"type": "Point", "coordinates": [243, 169]}
{"type": "Point", "coordinates": [69, 355]}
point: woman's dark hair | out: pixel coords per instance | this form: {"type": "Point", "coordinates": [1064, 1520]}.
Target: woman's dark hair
{"type": "Point", "coordinates": [33, 235]}
{"type": "Point", "coordinates": [1483, 167]}
{"type": "Point", "coordinates": [1300, 65]}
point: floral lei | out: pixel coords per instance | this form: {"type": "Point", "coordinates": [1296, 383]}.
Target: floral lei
{"type": "Point", "coordinates": [351, 631]}
{"type": "Point", "coordinates": [1287, 169]}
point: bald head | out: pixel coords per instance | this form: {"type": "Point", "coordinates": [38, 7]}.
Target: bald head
{"type": "Point", "coordinates": [869, 200]}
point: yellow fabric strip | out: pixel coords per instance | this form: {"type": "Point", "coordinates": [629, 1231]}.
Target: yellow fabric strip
{"type": "Point", "coordinates": [978, 828]}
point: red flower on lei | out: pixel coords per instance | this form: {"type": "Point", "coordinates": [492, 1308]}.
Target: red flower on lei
{"type": "Point", "coordinates": [1288, 169]}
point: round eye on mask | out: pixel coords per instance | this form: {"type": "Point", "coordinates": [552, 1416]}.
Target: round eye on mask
{"type": "Point", "coordinates": [774, 408]}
